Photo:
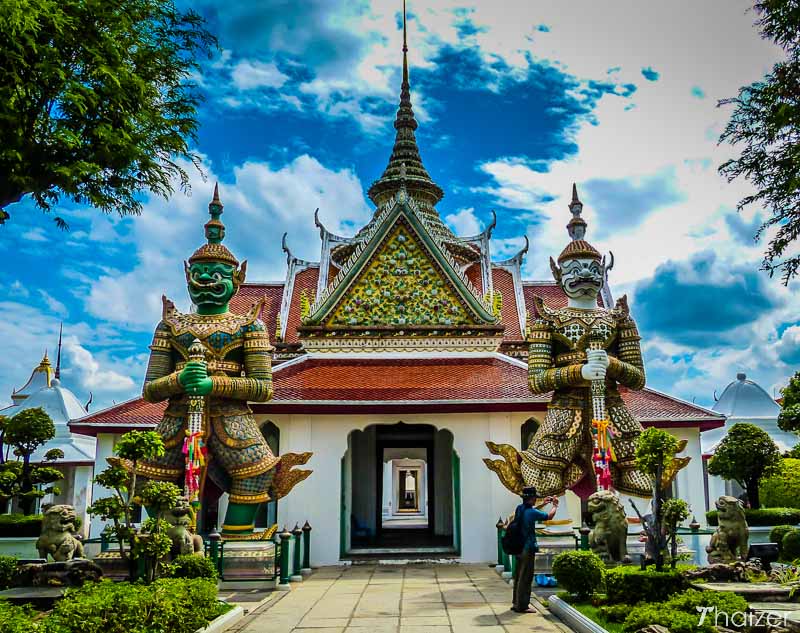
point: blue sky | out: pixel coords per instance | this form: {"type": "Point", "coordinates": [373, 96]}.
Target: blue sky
{"type": "Point", "coordinates": [513, 105]}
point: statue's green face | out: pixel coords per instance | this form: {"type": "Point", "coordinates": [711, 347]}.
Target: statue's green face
{"type": "Point", "coordinates": [210, 284]}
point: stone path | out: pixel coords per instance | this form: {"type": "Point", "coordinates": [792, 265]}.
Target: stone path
{"type": "Point", "coordinates": [398, 599]}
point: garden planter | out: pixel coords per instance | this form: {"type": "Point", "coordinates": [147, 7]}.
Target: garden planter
{"type": "Point", "coordinates": [222, 622]}
{"type": "Point", "coordinates": [573, 618]}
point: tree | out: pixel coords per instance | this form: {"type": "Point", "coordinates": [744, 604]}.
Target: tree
{"type": "Point", "coordinates": [789, 417]}
{"type": "Point", "coordinates": [25, 432]}
{"type": "Point", "coordinates": [98, 102]}
{"type": "Point", "coordinates": [746, 455]}
{"type": "Point", "coordinates": [674, 512]}
{"type": "Point", "coordinates": [655, 451]}
{"type": "Point", "coordinates": [151, 543]}
{"type": "Point", "coordinates": [766, 122]}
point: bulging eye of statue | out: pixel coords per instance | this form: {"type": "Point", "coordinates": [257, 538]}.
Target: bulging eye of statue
{"type": "Point", "coordinates": [216, 276]}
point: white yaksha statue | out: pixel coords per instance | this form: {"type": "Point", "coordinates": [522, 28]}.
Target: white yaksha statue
{"type": "Point", "coordinates": [580, 352]}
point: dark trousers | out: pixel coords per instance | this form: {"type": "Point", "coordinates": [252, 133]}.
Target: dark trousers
{"type": "Point", "coordinates": [523, 579]}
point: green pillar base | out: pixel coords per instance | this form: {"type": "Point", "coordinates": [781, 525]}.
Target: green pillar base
{"type": "Point", "coordinates": [239, 519]}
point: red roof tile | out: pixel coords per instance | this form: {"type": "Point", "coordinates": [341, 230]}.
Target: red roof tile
{"type": "Point", "coordinates": [391, 379]}
{"type": "Point", "coordinates": [473, 273]}
{"type": "Point", "coordinates": [248, 294]}
{"type": "Point", "coordinates": [503, 282]}
{"type": "Point", "coordinates": [131, 414]}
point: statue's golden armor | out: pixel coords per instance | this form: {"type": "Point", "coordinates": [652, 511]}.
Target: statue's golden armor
{"type": "Point", "coordinates": [238, 356]}
{"type": "Point", "coordinates": [560, 453]}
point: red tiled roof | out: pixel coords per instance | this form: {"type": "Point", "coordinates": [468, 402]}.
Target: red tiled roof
{"type": "Point", "coordinates": [248, 294]}
{"type": "Point", "coordinates": [473, 273]}
{"type": "Point", "coordinates": [344, 382]}
{"type": "Point", "coordinates": [303, 280]}
{"type": "Point", "coordinates": [503, 282]}
{"type": "Point", "coordinates": [395, 379]}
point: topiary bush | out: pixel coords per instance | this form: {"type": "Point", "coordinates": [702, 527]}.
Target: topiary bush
{"type": "Point", "coordinates": [173, 605]}
{"type": "Point", "coordinates": [790, 545]}
{"type": "Point", "coordinates": [763, 517]}
{"type": "Point", "coordinates": [680, 613]}
{"type": "Point", "coordinates": [580, 573]}
{"type": "Point", "coordinates": [782, 490]}
{"type": "Point", "coordinates": [632, 585]}
{"type": "Point", "coordinates": [19, 525]}
{"type": "Point", "coordinates": [777, 533]}
{"type": "Point", "coordinates": [8, 565]}
{"type": "Point", "coordinates": [190, 566]}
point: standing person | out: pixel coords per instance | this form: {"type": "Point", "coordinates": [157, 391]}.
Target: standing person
{"type": "Point", "coordinates": [528, 515]}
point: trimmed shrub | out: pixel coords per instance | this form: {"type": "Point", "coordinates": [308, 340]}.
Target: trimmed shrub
{"type": "Point", "coordinates": [14, 619]}
{"type": "Point", "coordinates": [20, 525]}
{"type": "Point", "coordinates": [632, 585]}
{"type": "Point", "coordinates": [680, 613]}
{"type": "Point", "coordinates": [190, 566]}
{"type": "Point", "coordinates": [777, 533]}
{"type": "Point", "coordinates": [580, 573]}
{"type": "Point", "coordinates": [169, 605]}
{"type": "Point", "coordinates": [8, 565]}
{"type": "Point", "coordinates": [782, 490]}
{"type": "Point", "coordinates": [790, 545]}
{"type": "Point", "coordinates": [764, 517]}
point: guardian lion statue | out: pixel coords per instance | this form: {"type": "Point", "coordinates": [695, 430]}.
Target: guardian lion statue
{"type": "Point", "coordinates": [180, 533]}
{"type": "Point", "coordinates": [729, 543]}
{"type": "Point", "coordinates": [609, 537]}
{"type": "Point", "coordinates": [58, 534]}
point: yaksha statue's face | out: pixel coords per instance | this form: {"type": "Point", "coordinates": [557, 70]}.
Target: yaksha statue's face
{"type": "Point", "coordinates": [581, 278]}
{"type": "Point", "coordinates": [211, 284]}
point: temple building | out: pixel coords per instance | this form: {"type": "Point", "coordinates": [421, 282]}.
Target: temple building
{"type": "Point", "coordinates": [44, 389]}
{"type": "Point", "coordinates": [742, 401]}
{"type": "Point", "coordinates": [398, 353]}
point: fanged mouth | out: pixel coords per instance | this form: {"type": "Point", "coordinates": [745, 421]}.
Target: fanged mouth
{"type": "Point", "coordinates": [215, 289]}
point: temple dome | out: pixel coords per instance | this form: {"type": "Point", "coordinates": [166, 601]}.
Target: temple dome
{"type": "Point", "coordinates": [744, 398]}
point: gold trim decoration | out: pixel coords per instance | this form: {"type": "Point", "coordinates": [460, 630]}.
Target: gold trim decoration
{"type": "Point", "coordinates": [237, 528]}
{"type": "Point", "coordinates": [508, 469]}
{"type": "Point", "coordinates": [286, 477]}
{"type": "Point", "coordinates": [249, 499]}
{"type": "Point", "coordinates": [245, 471]}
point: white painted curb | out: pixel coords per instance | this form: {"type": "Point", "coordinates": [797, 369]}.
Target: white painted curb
{"type": "Point", "coordinates": [573, 618]}
{"type": "Point", "coordinates": [217, 625]}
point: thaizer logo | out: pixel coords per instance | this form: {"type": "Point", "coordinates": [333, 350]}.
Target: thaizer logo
{"type": "Point", "coordinates": [741, 619]}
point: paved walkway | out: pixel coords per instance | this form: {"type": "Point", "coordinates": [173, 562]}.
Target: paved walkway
{"type": "Point", "coordinates": [398, 599]}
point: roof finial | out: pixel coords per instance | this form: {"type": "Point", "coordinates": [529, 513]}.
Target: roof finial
{"type": "Point", "coordinates": [577, 225]}
{"type": "Point", "coordinates": [215, 229]}
{"type": "Point", "coordinates": [405, 46]}
{"type": "Point", "coordinates": [58, 358]}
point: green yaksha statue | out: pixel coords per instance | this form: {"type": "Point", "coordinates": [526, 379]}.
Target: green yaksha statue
{"type": "Point", "coordinates": [208, 420]}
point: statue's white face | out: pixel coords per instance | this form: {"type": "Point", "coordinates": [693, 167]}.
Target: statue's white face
{"type": "Point", "coordinates": [582, 278]}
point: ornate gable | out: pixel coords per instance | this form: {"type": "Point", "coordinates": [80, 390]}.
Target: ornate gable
{"type": "Point", "coordinates": [399, 283]}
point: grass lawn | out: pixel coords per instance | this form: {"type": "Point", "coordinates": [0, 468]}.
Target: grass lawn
{"type": "Point", "coordinates": [593, 613]}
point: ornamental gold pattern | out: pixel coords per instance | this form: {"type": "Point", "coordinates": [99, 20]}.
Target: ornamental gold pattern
{"type": "Point", "coordinates": [401, 285]}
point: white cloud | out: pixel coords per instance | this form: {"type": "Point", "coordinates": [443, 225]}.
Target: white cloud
{"type": "Point", "coordinates": [94, 376]}
{"type": "Point", "coordinates": [260, 205]}
{"type": "Point", "coordinates": [35, 234]}
{"type": "Point", "coordinates": [464, 222]}
{"type": "Point", "coordinates": [53, 305]}
{"type": "Point", "coordinates": [251, 74]}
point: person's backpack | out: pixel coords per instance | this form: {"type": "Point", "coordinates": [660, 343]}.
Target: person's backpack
{"type": "Point", "coordinates": [514, 540]}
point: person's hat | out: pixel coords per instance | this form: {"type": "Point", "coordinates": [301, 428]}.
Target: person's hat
{"type": "Point", "coordinates": [528, 492]}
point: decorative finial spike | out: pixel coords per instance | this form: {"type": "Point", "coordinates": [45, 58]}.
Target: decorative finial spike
{"type": "Point", "coordinates": [216, 194]}
{"type": "Point", "coordinates": [215, 229]}
{"type": "Point", "coordinates": [58, 358]}
{"type": "Point", "coordinates": [577, 225]}
{"type": "Point", "coordinates": [575, 194]}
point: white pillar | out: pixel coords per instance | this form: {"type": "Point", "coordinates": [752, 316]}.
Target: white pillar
{"type": "Point", "coordinates": [82, 494]}
{"type": "Point", "coordinates": [105, 449]}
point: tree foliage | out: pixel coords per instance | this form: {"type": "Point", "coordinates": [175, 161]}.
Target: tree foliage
{"type": "Point", "coordinates": [766, 124]}
{"type": "Point", "coordinates": [98, 102]}
{"type": "Point", "coordinates": [789, 417]}
{"type": "Point", "coordinates": [24, 433]}
{"type": "Point", "coordinates": [746, 455]}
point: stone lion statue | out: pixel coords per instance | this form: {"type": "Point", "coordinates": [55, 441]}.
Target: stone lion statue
{"type": "Point", "coordinates": [184, 541]}
{"type": "Point", "coordinates": [609, 537]}
{"type": "Point", "coordinates": [58, 534]}
{"type": "Point", "coordinates": [730, 541]}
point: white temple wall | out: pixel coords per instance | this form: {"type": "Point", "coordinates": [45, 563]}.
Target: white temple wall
{"type": "Point", "coordinates": [104, 449]}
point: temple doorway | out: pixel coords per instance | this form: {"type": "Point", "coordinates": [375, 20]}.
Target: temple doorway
{"type": "Point", "coordinates": [399, 491]}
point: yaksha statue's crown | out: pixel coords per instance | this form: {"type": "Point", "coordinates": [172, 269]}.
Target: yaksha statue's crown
{"type": "Point", "coordinates": [214, 250]}
{"type": "Point", "coordinates": [578, 248]}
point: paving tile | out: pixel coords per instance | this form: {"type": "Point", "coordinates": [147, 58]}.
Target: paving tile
{"type": "Point", "coordinates": [310, 622]}
{"type": "Point", "coordinates": [425, 620]}
{"type": "Point", "coordinates": [411, 628]}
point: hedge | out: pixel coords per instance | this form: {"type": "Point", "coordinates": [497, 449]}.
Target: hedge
{"type": "Point", "coordinates": [783, 489]}
{"type": "Point", "coordinates": [20, 525]}
{"type": "Point", "coordinates": [580, 572]}
{"type": "Point", "coordinates": [14, 619]}
{"type": "Point", "coordinates": [631, 585]}
{"type": "Point", "coordinates": [680, 613]}
{"type": "Point", "coordinates": [8, 566]}
{"type": "Point", "coordinates": [764, 516]}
